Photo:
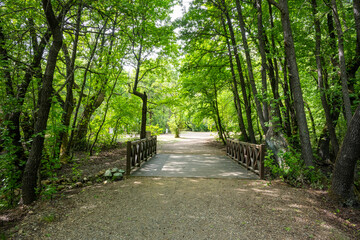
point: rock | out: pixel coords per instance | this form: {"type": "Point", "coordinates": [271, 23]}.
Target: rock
{"type": "Point", "coordinates": [117, 176]}
{"type": "Point", "coordinates": [105, 182]}
{"type": "Point", "coordinates": [108, 173]}
{"type": "Point", "coordinates": [78, 184]}
{"type": "Point", "coordinates": [114, 170]}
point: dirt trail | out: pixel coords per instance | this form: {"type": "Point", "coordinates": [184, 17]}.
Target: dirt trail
{"type": "Point", "coordinates": [182, 208]}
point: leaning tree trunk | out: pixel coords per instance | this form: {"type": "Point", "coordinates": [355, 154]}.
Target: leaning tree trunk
{"type": "Point", "coordinates": [306, 149]}
{"type": "Point", "coordinates": [30, 174]}
{"type": "Point", "coordinates": [343, 175]}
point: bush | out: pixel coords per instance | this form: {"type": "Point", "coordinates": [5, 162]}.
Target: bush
{"type": "Point", "coordinates": [155, 130]}
{"type": "Point", "coordinates": [293, 170]}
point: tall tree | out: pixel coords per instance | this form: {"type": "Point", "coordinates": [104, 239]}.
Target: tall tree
{"type": "Point", "coordinates": [29, 180]}
{"type": "Point", "coordinates": [262, 112]}
{"type": "Point", "coordinates": [342, 61]}
{"type": "Point", "coordinates": [323, 95]}
{"type": "Point", "coordinates": [306, 149]}
{"type": "Point", "coordinates": [225, 10]}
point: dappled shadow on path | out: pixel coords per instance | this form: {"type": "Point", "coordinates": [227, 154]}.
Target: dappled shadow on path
{"type": "Point", "coordinates": [192, 208]}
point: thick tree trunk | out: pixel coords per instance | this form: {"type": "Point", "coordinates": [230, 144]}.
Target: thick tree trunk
{"type": "Point", "coordinates": [349, 154]}
{"type": "Point", "coordinates": [143, 97]}
{"type": "Point", "coordinates": [240, 71]}
{"type": "Point", "coordinates": [306, 148]}
{"type": "Point", "coordinates": [261, 112]}
{"type": "Point", "coordinates": [29, 181]}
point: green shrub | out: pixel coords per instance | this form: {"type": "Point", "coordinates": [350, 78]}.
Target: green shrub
{"type": "Point", "coordinates": [155, 130]}
{"type": "Point", "coordinates": [293, 170]}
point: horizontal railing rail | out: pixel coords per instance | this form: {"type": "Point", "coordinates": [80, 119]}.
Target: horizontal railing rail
{"type": "Point", "coordinates": [248, 154]}
{"type": "Point", "coordinates": [139, 151]}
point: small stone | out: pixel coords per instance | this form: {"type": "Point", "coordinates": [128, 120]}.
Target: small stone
{"type": "Point", "coordinates": [108, 173]}
{"type": "Point", "coordinates": [114, 170]}
{"type": "Point", "coordinates": [78, 184]}
{"type": "Point", "coordinates": [105, 182]}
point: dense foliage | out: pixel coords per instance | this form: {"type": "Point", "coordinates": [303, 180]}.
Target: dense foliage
{"type": "Point", "coordinates": [80, 74]}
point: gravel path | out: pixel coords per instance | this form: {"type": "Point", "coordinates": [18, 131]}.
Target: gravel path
{"type": "Point", "coordinates": [182, 208]}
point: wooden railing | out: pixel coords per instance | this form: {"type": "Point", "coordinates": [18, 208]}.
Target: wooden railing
{"type": "Point", "coordinates": [139, 151]}
{"type": "Point", "coordinates": [249, 155]}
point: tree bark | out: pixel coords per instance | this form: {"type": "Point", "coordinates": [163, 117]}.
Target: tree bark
{"type": "Point", "coordinates": [343, 175]}
{"type": "Point", "coordinates": [240, 71]}
{"type": "Point", "coordinates": [69, 100]}
{"type": "Point", "coordinates": [73, 131]}
{"type": "Point", "coordinates": [30, 174]}
{"type": "Point", "coordinates": [321, 86]}
{"type": "Point", "coordinates": [262, 111]}
{"type": "Point", "coordinates": [234, 87]}
{"type": "Point", "coordinates": [343, 73]}
{"type": "Point", "coordinates": [143, 96]}
{"type": "Point", "coordinates": [306, 149]}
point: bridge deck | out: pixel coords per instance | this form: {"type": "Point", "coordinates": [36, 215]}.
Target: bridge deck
{"type": "Point", "coordinates": [192, 156]}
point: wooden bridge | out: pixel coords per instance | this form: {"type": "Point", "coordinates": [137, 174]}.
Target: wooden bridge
{"type": "Point", "coordinates": [193, 156]}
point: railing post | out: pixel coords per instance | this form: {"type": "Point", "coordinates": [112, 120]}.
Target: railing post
{"type": "Point", "coordinates": [128, 158]}
{"type": "Point", "coordinates": [261, 167]}
{"type": "Point", "coordinates": [155, 144]}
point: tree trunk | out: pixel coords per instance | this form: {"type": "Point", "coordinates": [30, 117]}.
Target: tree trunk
{"type": "Point", "coordinates": [306, 148]}
{"type": "Point", "coordinates": [323, 96]}
{"type": "Point", "coordinates": [240, 71]}
{"type": "Point", "coordinates": [92, 54]}
{"type": "Point", "coordinates": [273, 71]}
{"type": "Point", "coordinates": [234, 87]}
{"type": "Point", "coordinates": [82, 128]}
{"type": "Point", "coordinates": [343, 175]}
{"type": "Point", "coordinates": [30, 174]}
{"type": "Point", "coordinates": [69, 101]}
{"type": "Point", "coordinates": [354, 64]}
{"type": "Point", "coordinates": [261, 112]}
{"type": "Point", "coordinates": [343, 73]}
